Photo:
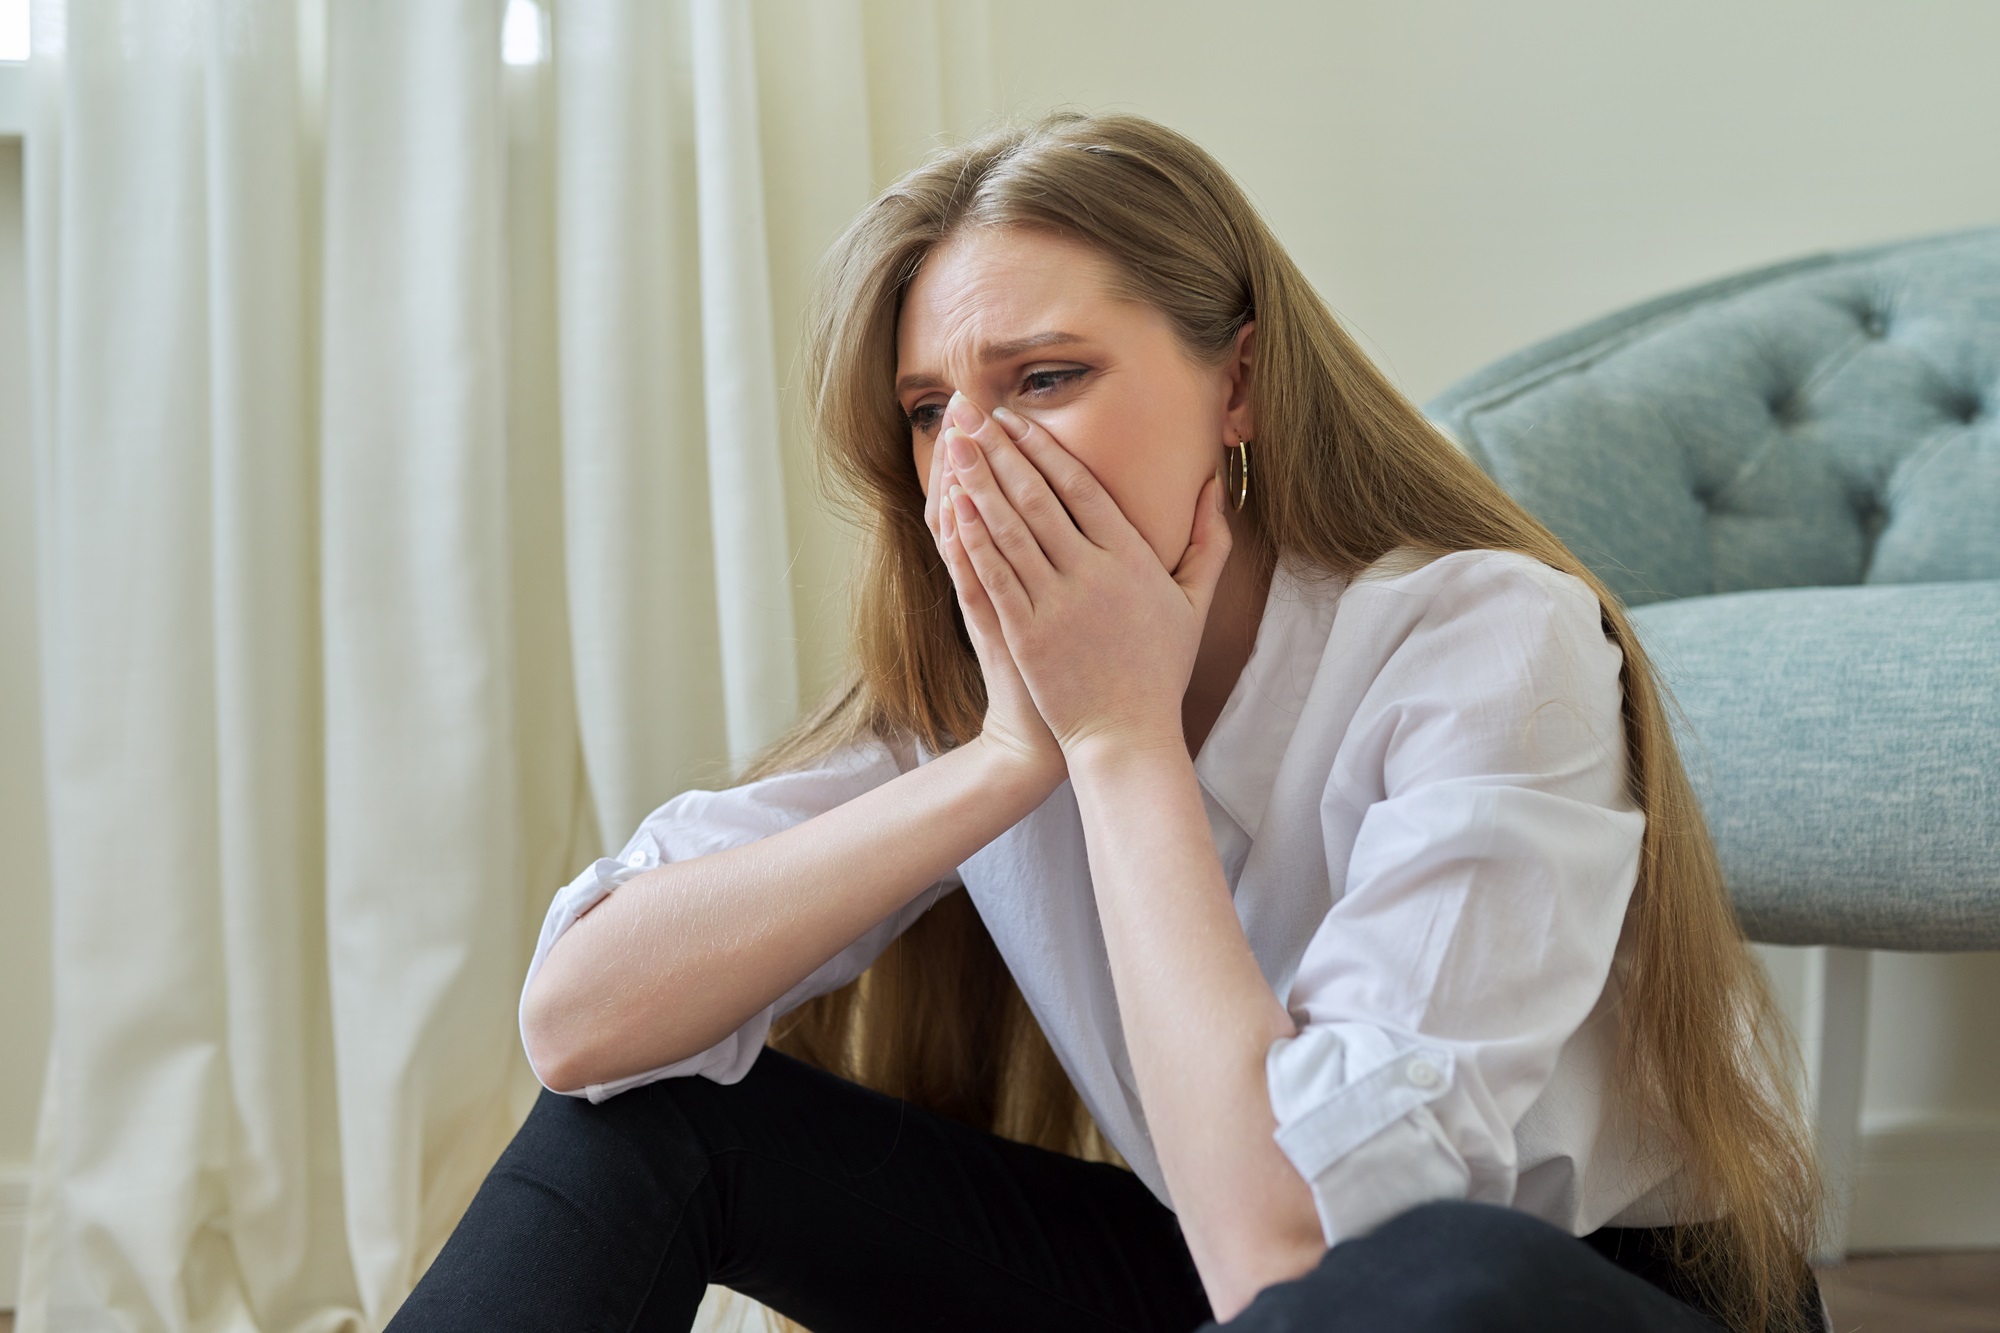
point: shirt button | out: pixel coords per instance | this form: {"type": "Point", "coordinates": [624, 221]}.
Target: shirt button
{"type": "Point", "coordinates": [635, 859]}
{"type": "Point", "coordinates": [1422, 1074]}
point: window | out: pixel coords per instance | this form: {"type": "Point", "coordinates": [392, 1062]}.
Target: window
{"type": "Point", "coordinates": [13, 69]}
{"type": "Point", "coordinates": [524, 40]}
{"type": "Point", "coordinates": [13, 29]}
{"type": "Point", "coordinates": [524, 33]}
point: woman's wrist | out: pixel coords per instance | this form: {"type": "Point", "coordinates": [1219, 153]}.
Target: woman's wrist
{"type": "Point", "coordinates": [1010, 770]}
{"type": "Point", "coordinates": [1109, 753]}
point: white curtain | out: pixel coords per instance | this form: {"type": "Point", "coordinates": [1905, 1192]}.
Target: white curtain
{"type": "Point", "coordinates": [420, 502]}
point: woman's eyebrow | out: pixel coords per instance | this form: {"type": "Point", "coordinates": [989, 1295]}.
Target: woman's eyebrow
{"type": "Point", "coordinates": [1000, 351]}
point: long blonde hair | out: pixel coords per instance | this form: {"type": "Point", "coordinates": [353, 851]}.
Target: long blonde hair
{"type": "Point", "coordinates": [1347, 471]}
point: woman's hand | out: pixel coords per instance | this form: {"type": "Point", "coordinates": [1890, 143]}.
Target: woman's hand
{"type": "Point", "coordinates": [1104, 638]}
{"type": "Point", "coordinates": [1013, 727]}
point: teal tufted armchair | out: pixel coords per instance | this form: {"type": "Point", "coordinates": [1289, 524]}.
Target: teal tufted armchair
{"type": "Point", "coordinates": [1792, 478]}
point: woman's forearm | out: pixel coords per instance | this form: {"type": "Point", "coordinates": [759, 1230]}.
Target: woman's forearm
{"type": "Point", "coordinates": [1198, 1018]}
{"type": "Point", "coordinates": [683, 955]}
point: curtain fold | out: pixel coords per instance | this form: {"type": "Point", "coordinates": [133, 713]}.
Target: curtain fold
{"type": "Point", "coordinates": [636, 521]}
{"type": "Point", "coordinates": [424, 850]}
{"type": "Point", "coordinates": [256, 159]}
{"type": "Point", "coordinates": [753, 599]}
{"type": "Point", "coordinates": [421, 499]}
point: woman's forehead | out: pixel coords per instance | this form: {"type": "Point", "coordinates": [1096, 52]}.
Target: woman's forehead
{"type": "Point", "coordinates": [990, 288]}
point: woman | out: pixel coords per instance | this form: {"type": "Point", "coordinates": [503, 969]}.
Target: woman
{"type": "Point", "coordinates": [1330, 852]}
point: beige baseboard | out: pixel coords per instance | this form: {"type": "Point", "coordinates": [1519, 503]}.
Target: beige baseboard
{"type": "Point", "coordinates": [1930, 1184]}
{"type": "Point", "coordinates": [13, 1222]}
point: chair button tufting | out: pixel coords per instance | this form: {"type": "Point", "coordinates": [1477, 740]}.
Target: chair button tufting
{"type": "Point", "coordinates": [1873, 323]}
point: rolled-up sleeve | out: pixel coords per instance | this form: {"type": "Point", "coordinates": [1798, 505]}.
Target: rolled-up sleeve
{"type": "Point", "coordinates": [697, 823]}
{"type": "Point", "coordinates": [1483, 900]}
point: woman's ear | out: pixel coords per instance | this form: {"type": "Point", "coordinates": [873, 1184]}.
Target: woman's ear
{"type": "Point", "coordinates": [1239, 418]}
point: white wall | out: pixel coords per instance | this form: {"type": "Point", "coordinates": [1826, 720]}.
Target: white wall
{"type": "Point", "coordinates": [1461, 178]}
{"type": "Point", "coordinates": [24, 905]}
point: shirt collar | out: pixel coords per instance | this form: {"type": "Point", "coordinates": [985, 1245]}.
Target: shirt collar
{"type": "Point", "coordinates": [1238, 763]}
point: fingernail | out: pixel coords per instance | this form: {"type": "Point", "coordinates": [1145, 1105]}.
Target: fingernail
{"type": "Point", "coordinates": [961, 411]}
{"type": "Point", "coordinates": [963, 452]}
{"type": "Point", "coordinates": [1016, 428]}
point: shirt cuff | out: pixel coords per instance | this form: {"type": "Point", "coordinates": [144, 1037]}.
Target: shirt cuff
{"type": "Point", "coordinates": [581, 894]}
{"type": "Point", "coordinates": [1352, 1105]}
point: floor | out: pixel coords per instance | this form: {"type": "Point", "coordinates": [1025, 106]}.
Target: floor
{"type": "Point", "coordinates": [1957, 1292]}
{"type": "Point", "coordinates": [1894, 1293]}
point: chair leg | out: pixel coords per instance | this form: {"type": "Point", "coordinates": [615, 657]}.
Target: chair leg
{"type": "Point", "coordinates": [1835, 1038]}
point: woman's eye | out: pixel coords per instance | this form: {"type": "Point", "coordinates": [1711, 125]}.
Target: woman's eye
{"type": "Point", "coordinates": [925, 418]}
{"type": "Point", "coordinates": [1048, 381]}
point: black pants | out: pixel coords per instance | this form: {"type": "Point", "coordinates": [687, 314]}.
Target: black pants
{"type": "Point", "coordinates": [849, 1210]}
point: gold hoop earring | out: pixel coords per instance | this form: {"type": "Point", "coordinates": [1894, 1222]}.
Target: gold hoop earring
{"type": "Point", "coordinates": [1237, 481]}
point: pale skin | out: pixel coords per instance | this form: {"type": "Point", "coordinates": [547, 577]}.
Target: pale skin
{"type": "Point", "coordinates": [1106, 663]}
{"type": "Point", "coordinates": [1068, 447]}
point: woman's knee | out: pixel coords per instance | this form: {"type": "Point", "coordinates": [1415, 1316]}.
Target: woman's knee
{"type": "Point", "coordinates": [573, 1217]}
{"type": "Point", "coordinates": [1499, 1238]}
{"type": "Point", "coordinates": [655, 1136]}
{"type": "Point", "coordinates": [1495, 1263]}
{"type": "Point", "coordinates": [1448, 1265]}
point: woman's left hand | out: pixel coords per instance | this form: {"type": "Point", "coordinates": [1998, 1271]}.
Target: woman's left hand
{"type": "Point", "coordinates": [1104, 637]}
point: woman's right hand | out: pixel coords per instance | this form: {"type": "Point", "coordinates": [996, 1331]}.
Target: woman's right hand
{"type": "Point", "coordinates": [1013, 728]}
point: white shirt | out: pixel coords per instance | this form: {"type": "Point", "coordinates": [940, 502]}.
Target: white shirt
{"type": "Point", "coordinates": [1417, 793]}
